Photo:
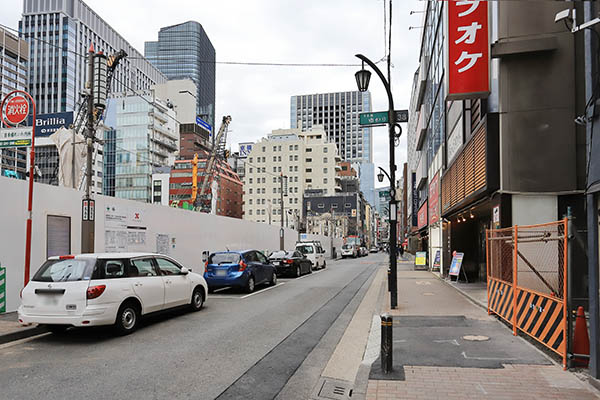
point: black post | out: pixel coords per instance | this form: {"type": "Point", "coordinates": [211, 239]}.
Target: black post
{"type": "Point", "coordinates": [393, 283]}
{"type": "Point", "coordinates": [386, 344]}
{"type": "Point", "coordinates": [88, 224]}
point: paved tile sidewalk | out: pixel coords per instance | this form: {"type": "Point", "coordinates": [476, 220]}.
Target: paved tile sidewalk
{"type": "Point", "coordinates": [426, 296]}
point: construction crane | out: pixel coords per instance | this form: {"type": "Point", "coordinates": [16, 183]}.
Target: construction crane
{"type": "Point", "coordinates": [218, 153]}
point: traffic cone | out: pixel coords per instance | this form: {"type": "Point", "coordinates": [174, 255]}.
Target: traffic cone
{"type": "Point", "coordinates": [581, 340]}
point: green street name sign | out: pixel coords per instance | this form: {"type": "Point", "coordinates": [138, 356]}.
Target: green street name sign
{"type": "Point", "coordinates": [380, 118]}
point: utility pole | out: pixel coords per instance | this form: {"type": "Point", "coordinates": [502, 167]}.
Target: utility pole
{"type": "Point", "coordinates": [87, 223]}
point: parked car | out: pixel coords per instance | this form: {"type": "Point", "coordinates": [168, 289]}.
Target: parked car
{"type": "Point", "coordinates": [363, 251]}
{"type": "Point", "coordinates": [291, 263]}
{"type": "Point", "coordinates": [107, 289]}
{"type": "Point", "coordinates": [243, 269]}
{"type": "Point", "coordinates": [373, 250]}
{"type": "Point", "coordinates": [349, 250]}
{"type": "Point", "coordinates": [314, 252]}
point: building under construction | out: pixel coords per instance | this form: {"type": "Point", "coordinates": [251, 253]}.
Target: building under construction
{"type": "Point", "coordinates": [224, 186]}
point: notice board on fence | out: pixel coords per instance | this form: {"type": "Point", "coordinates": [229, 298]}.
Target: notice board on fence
{"type": "Point", "coordinates": [456, 264]}
{"type": "Point", "coordinates": [421, 258]}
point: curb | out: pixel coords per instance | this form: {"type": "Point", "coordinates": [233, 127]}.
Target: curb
{"type": "Point", "coordinates": [22, 334]}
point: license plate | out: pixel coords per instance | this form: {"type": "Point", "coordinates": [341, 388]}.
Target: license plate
{"type": "Point", "coordinates": [50, 300]}
{"type": "Point", "coordinates": [221, 272]}
{"type": "Point", "coordinates": [276, 262]}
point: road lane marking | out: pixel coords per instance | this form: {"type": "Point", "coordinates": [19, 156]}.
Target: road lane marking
{"type": "Point", "coordinates": [263, 290]}
{"type": "Point", "coordinates": [21, 341]}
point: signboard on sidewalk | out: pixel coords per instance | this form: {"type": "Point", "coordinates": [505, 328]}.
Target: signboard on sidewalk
{"type": "Point", "coordinates": [456, 264]}
{"type": "Point", "coordinates": [468, 50]}
{"type": "Point", "coordinates": [421, 258]}
{"type": "Point", "coordinates": [437, 259]}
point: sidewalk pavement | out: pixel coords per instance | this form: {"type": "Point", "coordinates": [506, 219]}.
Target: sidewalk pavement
{"type": "Point", "coordinates": [446, 347]}
{"type": "Point", "coordinates": [11, 329]}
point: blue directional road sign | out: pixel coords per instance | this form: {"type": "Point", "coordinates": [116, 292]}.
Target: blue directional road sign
{"type": "Point", "coordinates": [204, 124]}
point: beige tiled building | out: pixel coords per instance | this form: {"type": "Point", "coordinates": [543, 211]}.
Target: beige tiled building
{"type": "Point", "coordinates": [305, 160]}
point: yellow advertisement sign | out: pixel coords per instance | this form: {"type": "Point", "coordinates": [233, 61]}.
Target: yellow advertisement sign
{"type": "Point", "coordinates": [421, 258]}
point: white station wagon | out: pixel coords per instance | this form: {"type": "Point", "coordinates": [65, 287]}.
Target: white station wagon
{"type": "Point", "coordinates": [107, 289]}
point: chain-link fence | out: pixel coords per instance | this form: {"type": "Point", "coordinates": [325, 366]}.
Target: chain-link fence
{"type": "Point", "coordinates": [500, 254]}
{"type": "Point", "coordinates": [527, 267]}
{"type": "Point", "coordinates": [541, 258]}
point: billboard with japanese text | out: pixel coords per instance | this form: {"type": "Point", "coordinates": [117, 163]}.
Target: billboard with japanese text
{"type": "Point", "coordinates": [468, 49]}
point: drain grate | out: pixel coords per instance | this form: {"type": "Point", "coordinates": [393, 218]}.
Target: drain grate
{"type": "Point", "coordinates": [334, 389]}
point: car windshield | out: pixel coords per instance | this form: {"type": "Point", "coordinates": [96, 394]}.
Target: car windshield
{"type": "Point", "coordinates": [279, 254]}
{"type": "Point", "coordinates": [65, 270]}
{"type": "Point", "coordinates": [305, 249]}
{"type": "Point", "coordinates": [347, 246]}
{"type": "Point", "coordinates": [224, 258]}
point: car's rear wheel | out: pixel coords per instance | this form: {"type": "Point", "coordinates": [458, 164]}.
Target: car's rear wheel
{"type": "Point", "coordinates": [273, 279]}
{"type": "Point", "coordinates": [298, 272]}
{"type": "Point", "coordinates": [250, 285]}
{"type": "Point", "coordinates": [127, 318]}
{"type": "Point", "coordinates": [197, 299]}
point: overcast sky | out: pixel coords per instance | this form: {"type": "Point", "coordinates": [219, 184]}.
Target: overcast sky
{"type": "Point", "coordinates": [282, 31]}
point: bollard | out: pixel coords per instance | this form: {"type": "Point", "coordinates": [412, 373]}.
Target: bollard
{"type": "Point", "coordinates": [386, 344]}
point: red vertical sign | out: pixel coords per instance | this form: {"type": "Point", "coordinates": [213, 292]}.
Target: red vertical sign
{"type": "Point", "coordinates": [434, 194]}
{"type": "Point", "coordinates": [422, 216]}
{"type": "Point", "coordinates": [468, 49]}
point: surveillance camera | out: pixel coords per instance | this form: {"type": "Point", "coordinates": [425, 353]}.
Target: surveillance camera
{"type": "Point", "coordinates": [563, 15]}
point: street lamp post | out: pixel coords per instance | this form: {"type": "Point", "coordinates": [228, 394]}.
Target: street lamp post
{"type": "Point", "coordinates": [362, 79]}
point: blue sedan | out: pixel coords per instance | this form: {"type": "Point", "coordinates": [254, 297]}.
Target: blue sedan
{"type": "Point", "coordinates": [243, 269]}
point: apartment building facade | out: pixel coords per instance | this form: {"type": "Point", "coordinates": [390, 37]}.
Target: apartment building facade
{"type": "Point", "coordinates": [304, 160]}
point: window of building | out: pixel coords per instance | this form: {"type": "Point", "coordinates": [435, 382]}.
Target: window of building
{"type": "Point", "coordinates": [324, 170]}
{"type": "Point", "coordinates": [347, 205]}
{"type": "Point", "coordinates": [278, 169]}
{"type": "Point", "coordinates": [324, 159]}
{"type": "Point", "coordinates": [334, 205]}
{"type": "Point", "coordinates": [295, 168]}
{"type": "Point", "coordinates": [321, 205]}
{"type": "Point", "coordinates": [324, 180]}
{"type": "Point", "coordinates": [249, 180]}
{"type": "Point", "coordinates": [264, 149]}
{"type": "Point", "coordinates": [274, 169]}
{"type": "Point", "coordinates": [308, 180]}
{"type": "Point", "coordinates": [291, 147]}
{"type": "Point", "coordinates": [274, 179]}
{"type": "Point", "coordinates": [325, 149]}
{"type": "Point", "coordinates": [274, 190]}
{"type": "Point", "coordinates": [274, 158]}
{"type": "Point", "coordinates": [279, 157]}
{"type": "Point", "coordinates": [250, 201]}
{"type": "Point", "coordinates": [308, 149]}
{"type": "Point", "coordinates": [296, 158]}
{"type": "Point", "coordinates": [296, 147]}
{"type": "Point", "coordinates": [250, 159]}
{"type": "Point", "coordinates": [296, 188]}
{"type": "Point", "coordinates": [308, 169]}
{"type": "Point", "coordinates": [278, 148]}
{"type": "Point", "coordinates": [274, 148]}
{"type": "Point", "coordinates": [291, 157]}
{"type": "Point", "coordinates": [250, 212]}
{"type": "Point", "coordinates": [250, 170]}
{"type": "Point", "coordinates": [309, 160]}
{"type": "Point", "coordinates": [250, 191]}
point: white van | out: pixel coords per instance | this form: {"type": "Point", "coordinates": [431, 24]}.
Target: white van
{"type": "Point", "coordinates": [314, 252]}
{"type": "Point", "coordinates": [108, 289]}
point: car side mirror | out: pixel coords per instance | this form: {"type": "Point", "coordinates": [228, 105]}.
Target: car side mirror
{"type": "Point", "coordinates": [185, 271]}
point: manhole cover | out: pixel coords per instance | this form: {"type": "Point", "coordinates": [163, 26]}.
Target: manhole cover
{"type": "Point", "coordinates": [476, 338]}
{"type": "Point", "coordinates": [428, 294]}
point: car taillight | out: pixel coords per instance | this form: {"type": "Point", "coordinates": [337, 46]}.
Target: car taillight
{"type": "Point", "coordinates": [243, 265]}
{"type": "Point", "coordinates": [288, 261]}
{"type": "Point", "coordinates": [69, 257]}
{"type": "Point", "coordinates": [95, 291]}
{"type": "Point", "coordinates": [206, 265]}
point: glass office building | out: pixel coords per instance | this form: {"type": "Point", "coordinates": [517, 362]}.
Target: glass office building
{"type": "Point", "coordinates": [14, 56]}
{"type": "Point", "coordinates": [144, 134]}
{"type": "Point", "coordinates": [185, 51]}
{"type": "Point", "coordinates": [58, 69]}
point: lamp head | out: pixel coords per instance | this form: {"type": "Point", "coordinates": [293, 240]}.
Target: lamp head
{"type": "Point", "coordinates": [380, 177]}
{"type": "Point", "coordinates": [362, 79]}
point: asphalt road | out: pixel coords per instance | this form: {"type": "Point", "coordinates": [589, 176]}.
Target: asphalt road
{"type": "Point", "coordinates": [238, 346]}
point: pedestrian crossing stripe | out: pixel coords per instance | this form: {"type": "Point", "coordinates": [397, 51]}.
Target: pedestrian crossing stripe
{"type": "Point", "coordinates": [542, 318]}
{"type": "Point", "coordinates": [500, 298]}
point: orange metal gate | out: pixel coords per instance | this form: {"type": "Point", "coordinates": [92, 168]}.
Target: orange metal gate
{"type": "Point", "coordinates": [527, 281]}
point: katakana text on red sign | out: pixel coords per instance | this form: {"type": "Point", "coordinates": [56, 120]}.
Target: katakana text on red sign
{"type": "Point", "coordinates": [16, 110]}
{"type": "Point", "coordinates": [468, 49]}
